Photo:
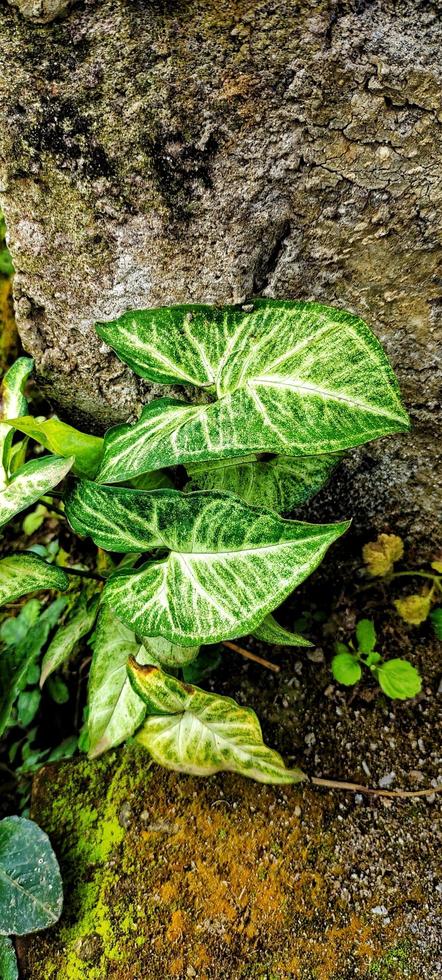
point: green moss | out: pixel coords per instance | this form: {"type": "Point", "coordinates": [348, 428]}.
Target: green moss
{"type": "Point", "coordinates": [394, 963]}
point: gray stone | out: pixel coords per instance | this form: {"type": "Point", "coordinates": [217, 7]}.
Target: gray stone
{"type": "Point", "coordinates": [154, 153]}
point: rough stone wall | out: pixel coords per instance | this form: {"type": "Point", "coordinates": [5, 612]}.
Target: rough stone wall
{"type": "Point", "coordinates": [159, 152]}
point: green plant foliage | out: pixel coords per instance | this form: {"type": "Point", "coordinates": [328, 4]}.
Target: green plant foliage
{"type": "Point", "coordinates": [6, 267]}
{"type": "Point", "coordinates": [31, 895]}
{"type": "Point", "coordinates": [169, 654]}
{"type": "Point", "coordinates": [282, 483]}
{"type": "Point", "coordinates": [346, 668]}
{"type": "Point", "coordinates": [30, 482]}
{"type": "Point", "coordinates": [398, 679]}
{"type": "Point", "coordinates": [63, 440]}
{"type": "Point", "coordinates": [68, 636]}
{"type": "Point", "coordinates": [436, 619]}
{"type": "Point", "coordinates": [191, 731]}
{"type": "Point", "coordinates": [292, 378]}
{"type": "Point", "coordinates": [271, 632]}
{"type": "Point", "coordinates": [115, 710]}
{"type": "Point", "coordinates": [8, 959]}
{"type": "Point", "coordinates": [13, 403]}
{"type": "Point", "coordinates": [24, 573]}
{"type": "Point", "coordinates": [17, 659]}
{"type": "Point", "coordinates": [365, 635]}
{"type": "Point", "coordinates": [214, 540]}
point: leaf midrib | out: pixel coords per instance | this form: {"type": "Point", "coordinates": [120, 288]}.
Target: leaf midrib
{"type": "Point", "coordinates": [20, 888]}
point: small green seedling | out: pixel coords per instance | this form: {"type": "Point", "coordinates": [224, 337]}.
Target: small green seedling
{"type": "Point", "coordinates": [397, 678]}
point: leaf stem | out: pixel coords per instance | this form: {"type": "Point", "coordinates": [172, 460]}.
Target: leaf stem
{"type": "Point", "coordinates": [83, 574]}
{"type": "Point", "coordinates": [358, 788]}
{"type": "Point", "coordinates": [433, 578]}
{"type": "Point", "coordinates": [52, 507]}
{"type": "Point", "coordinates": [251, 656]}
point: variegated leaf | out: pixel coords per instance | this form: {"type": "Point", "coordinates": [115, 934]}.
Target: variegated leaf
{"type": "Point", "coordinates": [31, 889]}
{"type": "Point", "coordinates": [30, 483]}
{"type": "Point", "coordinates": [24, 573]}
{"type": "Point", "coordinates": [281, 483]}
{"type": "Point", "coordinates": [169, 654]}
{"type": "Point", "coordinates": [68, 636]}
{"type": "Point", "coordinates": [63, 440]}
{"type": "Point", "coordinates": [228, 565]}
{"type": "Point", "coordinates": [271, 632]}
{"type": "Point", "coordinates": [290, 378]}
{"type": "Point", "coordinates": [115, 710]}
{"type": "Point", "coordinates": [191, 731]}
{"type": "Point", "coordinates": [13, 403]}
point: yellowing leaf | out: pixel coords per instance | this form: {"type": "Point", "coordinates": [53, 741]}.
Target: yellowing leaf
{"type": "Point", "coordinates": [414, 609]}
{"type": "Point", "coordinates": [380, 555]}
{"type": "Point", "coordinates": [191, 731]}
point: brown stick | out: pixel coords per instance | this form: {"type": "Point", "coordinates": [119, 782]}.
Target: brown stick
{"type": "Point", "coordinates": [251, 656]}
{"type": "Point", "coordinates": [391, 793]}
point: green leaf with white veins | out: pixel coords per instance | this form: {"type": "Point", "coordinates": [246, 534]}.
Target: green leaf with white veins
{"type": "Point", "coordinates": [13, 403]}
{"type": "Point", "coordinates": [30, 482]}
{"type": "Point", "coordinates": [191, 731]}
{"type": "Point", "coordinates": [24, 573]}
{"type": "Point", "coordinates": [281, 484]}
{"type": "Point", "coordinates": [228, 565]}
{"type": "Point", "coordinates": [291, 378]}
{"type": "Point", "coordinates": [271, 632]}
{"type": "Point", "coordinates": [169, 654]}
{"type": "Point", "coordinates": [115, 710]}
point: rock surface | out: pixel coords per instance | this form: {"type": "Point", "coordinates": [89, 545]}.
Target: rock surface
{"type": "Point", "coordinates": [163, 152]}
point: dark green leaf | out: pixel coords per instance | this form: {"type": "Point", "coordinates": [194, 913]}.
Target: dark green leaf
{"type": "Point", "coordinates": [8, 959]}
{"type": "Point", "coordinates": [31, 894]}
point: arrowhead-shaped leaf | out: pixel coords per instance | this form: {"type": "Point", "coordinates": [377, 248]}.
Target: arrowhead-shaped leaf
{"type": "Point", "coordinates": [67, 637]}
{"type": "Point", "coordinates": [115, 710]}
{"type": "Point", "coordinates": [8, 960]}
{"type": "Point", "coordinates": [31, 891]}
{"type": "Point", "coordinates": [271, 632]}
{"type": "Point", "coordinates": [13, 403]}
{"type": "Point", "coordinates": [191, 731]}
{"type": "Point", "coordinates": [228, 565]}
{"type": "Point", "coordinates": [291, 378]}
{"type": "Point", "coordinates": [24, 573]}
{"type": "Point", "coordinates": [282, 483]}
{"type": "Point", "coordinates": [30, 483]}
{"type": "Point", "coordinates": [63, 440]}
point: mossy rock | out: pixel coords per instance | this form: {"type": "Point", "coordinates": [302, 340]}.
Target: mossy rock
{"type": "Point", "coordinates": [170, 876]}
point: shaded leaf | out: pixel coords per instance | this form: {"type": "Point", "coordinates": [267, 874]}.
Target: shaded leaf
{"type": "Point", "coordinates": [169, 654]}
{"type": "Point", "coordinates": [228, 565]}
{"type": "Point", "coordinates": [291, 378]}
{"type": "Point", "coordinates": [8, 960]}
{"type": "Point", "coordinates": [115, 710]}
{"type": "Point", "coordinates": [63, 440]}
{"type": "Point", "coordinates": [27, 706]}
{"type": "Point", "coordinates": [68, 636]}
{"type": "Point", "coordinates": [346, 669]}
{"type": "Point", "coordinates": [281, 484]}
{"type": "Point", "coordinates": [436, 619]}
{"type": "Point", "coordinates": [31, 891]}
{"type": "Point", "coordinates": [24, 572]}
{"type": "Point", "coordinates": [16, 661]}
{"type": "Point", "coordinates": [191, 731]}
{"type": "Point", "coordinates": [271, 632]}
{"type": "Point", "coordinates": [31, 482]}
{"type": "Point", "coordinates": [399, 679]}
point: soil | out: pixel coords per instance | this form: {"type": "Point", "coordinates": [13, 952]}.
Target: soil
{"type": "Point", "coordinates": [171, 876]}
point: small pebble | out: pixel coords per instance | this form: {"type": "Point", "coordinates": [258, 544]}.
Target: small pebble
{"type": "Point", "coordinates": [386, 781]}
{"type": "Point", "coordinates": [380, 910]}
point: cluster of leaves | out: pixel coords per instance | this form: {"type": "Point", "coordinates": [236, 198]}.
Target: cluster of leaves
{"type": "Point", "coordinates": [279, 390]}
{"type": "Point", "coordinates": [380, 559]}
{"type": "Point", "coordinates": [397, 678]}
{"type": "Point", "coordinates": [31, 891]}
